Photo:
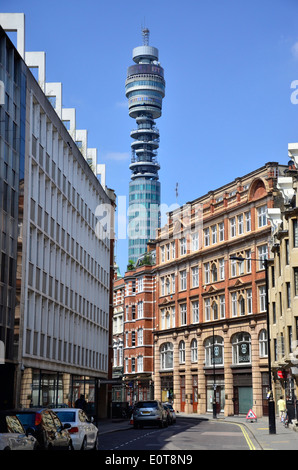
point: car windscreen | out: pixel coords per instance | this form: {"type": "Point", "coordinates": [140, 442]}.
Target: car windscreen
{"type": "Point", "coordinates": [146, 404]}
{"type": "Point", "coordinates": [66, 416]}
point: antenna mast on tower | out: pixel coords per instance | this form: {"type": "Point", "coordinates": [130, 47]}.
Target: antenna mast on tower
{"type": "Point", "coordinates": [145, 33]}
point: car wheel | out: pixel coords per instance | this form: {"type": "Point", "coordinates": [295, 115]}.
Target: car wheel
{"type": "Point", "coordinates": [84, 444]}
{"type": "Point", "coordinates": [95, 447]}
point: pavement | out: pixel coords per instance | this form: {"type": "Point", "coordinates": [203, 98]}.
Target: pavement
{"type": "Point", "coordinates": [256, 431]}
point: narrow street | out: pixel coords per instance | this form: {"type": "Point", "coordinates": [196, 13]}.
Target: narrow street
{"type": "Point", "coordinates": [186, 434]}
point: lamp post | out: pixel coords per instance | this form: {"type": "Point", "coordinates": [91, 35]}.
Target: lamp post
{"type": "Point", "coordinates": [271, 404]}
{"type": "Point", "coordinates": [214, 378]}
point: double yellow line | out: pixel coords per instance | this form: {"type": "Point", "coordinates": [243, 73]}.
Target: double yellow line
{"type": "Point", "coordinates": [245, 434]}
{"type": "Point", "coordinates": [247, 438]}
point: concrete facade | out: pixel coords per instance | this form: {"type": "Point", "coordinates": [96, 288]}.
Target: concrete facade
{"type": "Point", "coordinates": [64, 269]}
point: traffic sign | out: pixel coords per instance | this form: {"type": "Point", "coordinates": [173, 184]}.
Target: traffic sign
{"type": "Point", "coordinates": [251, 415]}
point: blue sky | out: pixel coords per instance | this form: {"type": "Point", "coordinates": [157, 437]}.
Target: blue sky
{"type": "Point", "coordinates": [229, 65]}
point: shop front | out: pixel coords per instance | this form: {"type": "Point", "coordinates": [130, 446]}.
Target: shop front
{"type": "Point", "coordinates": [42, 388]}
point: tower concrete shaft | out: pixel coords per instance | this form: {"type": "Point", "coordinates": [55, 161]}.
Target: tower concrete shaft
{"type": "Point", "coordinates": [145, 90]}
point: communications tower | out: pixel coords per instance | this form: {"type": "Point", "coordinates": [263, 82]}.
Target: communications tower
{"type": "Point", "coordinates": [145, 89]}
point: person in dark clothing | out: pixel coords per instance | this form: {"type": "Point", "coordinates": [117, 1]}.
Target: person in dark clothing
{"type": "Point", "coordinates": [81, 403]}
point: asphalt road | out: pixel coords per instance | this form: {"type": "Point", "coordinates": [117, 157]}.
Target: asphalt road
{"type": "Point", "coordinates": [186, 434]}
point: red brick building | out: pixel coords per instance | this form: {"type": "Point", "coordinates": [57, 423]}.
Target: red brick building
{"type": "Point", "coordinates": [210, 332]}
{"type": "Point", "coordinates": [139, 323]}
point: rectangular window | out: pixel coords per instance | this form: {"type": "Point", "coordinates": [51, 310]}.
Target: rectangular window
{"type": "Point", "coordinates": [162, 251]}
{"type": "Point", "coordinates": [214, 234]}
{"type": "Point", "coordinates": [195, 242]}
{"type": "Point", "coordinates": [221, 230]}
{"type": "Point", "coordinates": [233, 227]}
{"type": "Point", "coordinates": [263, 254]}
{"type": "Point", "coordinates": [173, 283]}
{"type": "Point", "coordinates": [183, 314]}
{"type": "Point", "coordinates": [222, 306]}
{"type": "Point", "coordinates": [274, 312]}
{"type": "Point", "coordinates": [140, 284]}
{"type": "Point", "coordinates": [168, 251]}
{"type": "Point", "coordinates": [248, 221]}
{"type": "Point", "coordinates": [287, 248]}
{"type": "Point", "coordinates": [183, 246]}
{"type": "Point", "coordinates": [207, 273]}
{"type": "Point", "coordinates": [262, 216]}
{"type": "Point", "coordinates": [240, 224]}
{"type": "Point", "coordinates": [233, 268]}
{"type": "Point", "coordinates": [183, 280]}
{"type": "Point", "coordinates": [206, 237]}
{"type": "Point", "coordinates": [234, 304]}
{"type": "Point", "coordinates": [140, 337]}
{"type": "Point", "coordinates": [173, 250]}
{"type": "Point", "coordinates": [195, 311]}
{"type": "Point", "coordinates": [140, 309]}
{"type": "Point", "coordinates": [140, 363]}
{"type": "Point", "coordinates": [162, 286]}
{"type": "Point", "coordinates": [288, 294]}
{"type": "Point", "coordinates": [249, 300]}
{"type": "Point", "coordinates": [207, 310]}
{"type": "Point", "coordinates": [262, 298]}
{"type": "Point", "coordinates": [296, 281]}
{"type": "Point", "coordinates": [195, 276]}
{"type": "Point", "coordinates": [221, 269]}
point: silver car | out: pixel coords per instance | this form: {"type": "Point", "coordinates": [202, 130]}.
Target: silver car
{"type": "Point", "coordinates": [149, 413]}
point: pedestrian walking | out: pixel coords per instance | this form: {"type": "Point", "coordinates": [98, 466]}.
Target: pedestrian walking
{"type": "Point", "coordinates": [281, 408]}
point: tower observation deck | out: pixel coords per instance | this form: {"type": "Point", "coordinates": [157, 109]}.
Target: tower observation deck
{"type": "Point", "coordinates": [145, 89]}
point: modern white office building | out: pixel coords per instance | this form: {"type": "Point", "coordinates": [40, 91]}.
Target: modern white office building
{"type": "Point", "coordinates": [65, 258]}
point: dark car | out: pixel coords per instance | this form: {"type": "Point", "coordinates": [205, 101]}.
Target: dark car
{"type": "Point", "coordinates": [48, 430]}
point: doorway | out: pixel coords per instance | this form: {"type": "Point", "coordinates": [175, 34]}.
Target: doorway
{"type": "Point", "coordinates": [243, 400]}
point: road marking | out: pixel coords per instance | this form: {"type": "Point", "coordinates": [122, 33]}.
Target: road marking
{"type": "Point", "coordinates": [245, 434]}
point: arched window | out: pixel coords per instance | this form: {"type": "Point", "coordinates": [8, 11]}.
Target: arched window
{"type": "Point", "coordinates": [214, 352]}
{"type": "Point", "coordinates": [166, 356]}
{"type": "Point", "coordinates": [241, 344]}
{"type": "Point", "coordinates": [263, 343]}
{"type": "Point", "coordinates": [181, 352]}
{"type": "Point", "coordinates": [194, 350]}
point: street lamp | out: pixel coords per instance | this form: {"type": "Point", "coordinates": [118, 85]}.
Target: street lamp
{"type": "Point", "coordinates": [271, 404]}
{"type": "Point", "coordinates": [214, 378]}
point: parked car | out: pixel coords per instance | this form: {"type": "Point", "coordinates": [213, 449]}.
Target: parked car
{"type": "Point", "coordinates": [13, 435]}
{"type": "Point", "coordinates": [169, 414]}
{"type": "Point", "coordinates": [170, 406]}
{"type": "Point", "coordinates": [83, 432]}
{"type": "Point", "coordinates": [50, 433]}
{"type": "Point", "coordinates": [149, 412]}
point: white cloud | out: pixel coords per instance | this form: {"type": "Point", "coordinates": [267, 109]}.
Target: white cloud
{"type": "Point", "coordinates": [294, 50]}
{"type": "Point", "coordinates": [117, 156]}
